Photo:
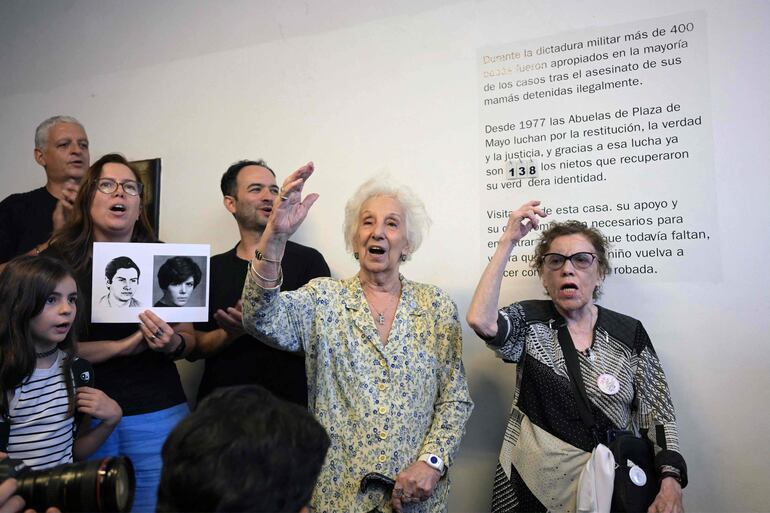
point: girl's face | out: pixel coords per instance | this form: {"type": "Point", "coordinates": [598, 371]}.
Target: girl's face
{"type": "Point", "coordinates": [54, 321]}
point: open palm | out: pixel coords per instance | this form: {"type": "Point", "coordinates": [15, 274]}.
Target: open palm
{"type": "Point", "coordinates": [289, 208]}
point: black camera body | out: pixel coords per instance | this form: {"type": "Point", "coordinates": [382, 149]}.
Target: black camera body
{"type": "Point", "coordinates": [105, 485]}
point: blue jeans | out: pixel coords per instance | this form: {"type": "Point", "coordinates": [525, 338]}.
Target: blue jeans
{"type": "Point", "coordinates": [141, 437]}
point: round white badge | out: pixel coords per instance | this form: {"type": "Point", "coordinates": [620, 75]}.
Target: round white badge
{"type": "Point", "coordinates": [608, 384]}
{"type": "Point", "coordinates": [637, 475]}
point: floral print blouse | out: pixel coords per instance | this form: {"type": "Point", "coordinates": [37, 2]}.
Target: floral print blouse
{"type": "Point", "coordinates": [383, 405]}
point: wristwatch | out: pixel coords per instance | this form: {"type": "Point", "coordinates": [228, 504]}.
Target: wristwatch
{"type": "Point", "coordinates": [433, 461]}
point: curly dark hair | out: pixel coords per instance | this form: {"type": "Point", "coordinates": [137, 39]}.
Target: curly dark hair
{"type": "Point", "coordinates": [572, 227]}
{"type": "Point", "coordinates": [176, 270]}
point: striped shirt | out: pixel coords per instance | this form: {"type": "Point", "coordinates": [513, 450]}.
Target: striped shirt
{"type": "Point", "coordinates": [41, 431]}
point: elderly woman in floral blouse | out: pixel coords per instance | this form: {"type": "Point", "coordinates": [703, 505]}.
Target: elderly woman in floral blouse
{"type": "Point", "coordinates": [383, 354]}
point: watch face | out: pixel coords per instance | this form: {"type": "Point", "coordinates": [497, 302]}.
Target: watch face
{"type": "Point", "coordinates": [433, 461]}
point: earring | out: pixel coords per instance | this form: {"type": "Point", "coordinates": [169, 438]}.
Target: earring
{"type": "Point", "coordinates": [403, 257]}
{"type": "Point", "coordinates": [355, 255]}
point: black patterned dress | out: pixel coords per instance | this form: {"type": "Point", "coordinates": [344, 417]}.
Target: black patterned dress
{"type": "Point", "coordinates": [546, 444]}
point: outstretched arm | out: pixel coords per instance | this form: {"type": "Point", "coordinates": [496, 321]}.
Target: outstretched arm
{"type": "Point", "coordinates": [482, 314]}
{"type": "Point", "coordinates": [289, 211]}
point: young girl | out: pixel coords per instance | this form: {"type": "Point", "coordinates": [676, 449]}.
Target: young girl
{"type": "Point", "coordinates": [38, 400]}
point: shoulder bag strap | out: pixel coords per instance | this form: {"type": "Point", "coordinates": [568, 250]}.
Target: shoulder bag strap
{"type": "Point", "coordinates": [576, 378]}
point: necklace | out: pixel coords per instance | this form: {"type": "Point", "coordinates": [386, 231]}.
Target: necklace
{"type": "Point", "coordinates": [47, 353]}
{"type": "Point", "coordinates": [380, 315]}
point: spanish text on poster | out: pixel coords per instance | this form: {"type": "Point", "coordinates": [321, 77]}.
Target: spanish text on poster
{"type": "Point", "coordinates": [609, 126]}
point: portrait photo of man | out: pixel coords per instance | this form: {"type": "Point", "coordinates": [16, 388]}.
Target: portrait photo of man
{"type": "Point", "coordinates": [122, 279]}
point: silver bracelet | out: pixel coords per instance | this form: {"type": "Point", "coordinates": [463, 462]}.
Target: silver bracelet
{"type": "Point", "coordinates": [278, 280]}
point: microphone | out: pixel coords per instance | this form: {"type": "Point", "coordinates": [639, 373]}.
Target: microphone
{"type": "Point", "coordinates": [82, 373]}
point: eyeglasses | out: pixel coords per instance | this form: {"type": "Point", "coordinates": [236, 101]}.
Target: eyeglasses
{"type": "Point", "coordinates": [108, 186]}
{"type": "Point", "coordinates": [582, 260]}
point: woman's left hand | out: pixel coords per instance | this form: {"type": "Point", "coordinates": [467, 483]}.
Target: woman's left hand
{"type": "Point", "coordinates": [289, 207]}
{"type": "Point", "coordinates": [414, 484]}
{"type": "Point", "coordinates": [158, 334]}
{"type": "Point", "coordinates": [669, 499]}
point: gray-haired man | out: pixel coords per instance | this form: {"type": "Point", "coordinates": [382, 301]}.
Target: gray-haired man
{"type": "Point", "coordinates": [28, 219]}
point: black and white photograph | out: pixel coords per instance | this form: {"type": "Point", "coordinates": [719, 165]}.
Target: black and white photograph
{"type": "Point", "coordinates": [121, 275]}
{"type": "Point", "coordinates": [179, 281]}
{"type": "Point", "coordinates": [169, 279]}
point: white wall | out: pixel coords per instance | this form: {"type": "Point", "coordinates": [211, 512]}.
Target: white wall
{"type": "Point", "coordinates": [360, 88]}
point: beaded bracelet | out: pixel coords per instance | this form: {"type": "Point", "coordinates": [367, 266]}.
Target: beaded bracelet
{"type": "Point", "coordinates": [670, 471]}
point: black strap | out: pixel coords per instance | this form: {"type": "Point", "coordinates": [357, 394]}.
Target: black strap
{"type": "Point", "coordinates": [576, 379]}
{"type": "Point", "coordinates": [5, 424]}
{"type": "Point", "coordinates": [5, 434]}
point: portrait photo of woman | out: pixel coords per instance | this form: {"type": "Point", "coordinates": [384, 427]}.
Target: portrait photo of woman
{"type": "Point", "coordinates": [178, 279]}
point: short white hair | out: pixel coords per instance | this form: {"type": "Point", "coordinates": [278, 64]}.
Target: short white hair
{"type": "Point", "coordinates": [416, 217]}
{"type": "Point", "coordinates": [41, 132]}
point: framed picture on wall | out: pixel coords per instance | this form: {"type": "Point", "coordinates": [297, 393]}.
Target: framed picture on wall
{"type": "Point", "coordinates": [149, 170]}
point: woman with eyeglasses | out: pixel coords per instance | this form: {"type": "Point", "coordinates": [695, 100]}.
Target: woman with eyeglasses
{"type": "Point", "coordinates": [547, 444]}
{"type": "Point", "coordinates": [133, 362]}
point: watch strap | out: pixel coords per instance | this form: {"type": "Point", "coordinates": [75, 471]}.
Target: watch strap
{"type": "Point", "coordinates": [434, 461]}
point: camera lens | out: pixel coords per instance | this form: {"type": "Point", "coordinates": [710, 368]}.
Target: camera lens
{"type": "Point", "coordinates": [100, 485]}
{"type": "Point", "coordinates": [119, 479]}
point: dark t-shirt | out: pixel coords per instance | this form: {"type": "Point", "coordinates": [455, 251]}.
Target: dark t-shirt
{"type": "Point", "coordinates": [247, 360]}
{"type": "Point", "coordinates": [25, 222]}
{"type": "Point", "coordinates": [141, 383]}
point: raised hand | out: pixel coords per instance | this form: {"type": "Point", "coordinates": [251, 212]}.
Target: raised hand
{"type": "Point", "coordinates": [289, 208]}
{"type": "Point", "coordinates": [523, 220]}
